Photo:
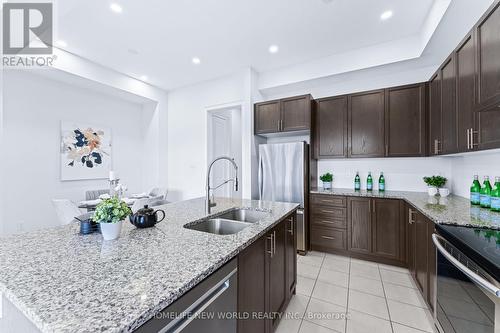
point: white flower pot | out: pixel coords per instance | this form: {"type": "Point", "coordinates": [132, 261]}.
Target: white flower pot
{"type": "Point", "coordinates": [432, 191]}
{"type": "Point", "coordinates": [444, 192]}
{"type": "Point", "coordinates": [111, 231]}
{"type": "Point", "coordinates": [327, 186]}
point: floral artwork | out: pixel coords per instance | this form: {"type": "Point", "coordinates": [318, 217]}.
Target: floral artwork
{"type": "Point", "coordinates": [85, 152]}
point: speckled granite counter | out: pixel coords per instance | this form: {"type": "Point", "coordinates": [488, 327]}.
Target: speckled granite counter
{"type": "Point", "coordinates": [66, 282]}
{"type": "Point", "coordinates": [450, 210]}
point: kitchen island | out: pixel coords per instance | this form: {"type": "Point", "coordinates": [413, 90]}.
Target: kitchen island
{"type": "Point", "coordinates": [66, 282]}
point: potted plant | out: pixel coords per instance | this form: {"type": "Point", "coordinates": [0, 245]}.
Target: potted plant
{"type": "Point", "coordinates": [327, 179]}
{"type": "Point", "coordinates": [434, 183]}
{"type": "Point", "coordinates": [110, 214]}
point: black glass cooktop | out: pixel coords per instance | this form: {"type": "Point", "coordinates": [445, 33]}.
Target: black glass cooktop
{"type": "Point", "coordinates": [480, 245]}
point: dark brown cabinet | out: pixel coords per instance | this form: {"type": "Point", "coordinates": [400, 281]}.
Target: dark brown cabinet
{"type": "Point", "coordinates": [331, 127]}
{"type": "Point", "coordinates": [488, 128]}
{"type": "Point", "coordinates": [267, 277]}
{"type": "Point", "coordinates": [285, 115]}
{"type": "Point", "coordinates": [405, 121]}
{"type": "Point", "coordinates": [449, 107]}
{"type": "Point", "coordinates": [488, 57]}
{"type": "Point", "coordinates": [366, 124]}
{"type": "Point", "coordinates": [388, 233]}
{"type": "Point", "coordinates": [466, 86]}
{"type": "Point", "coordinates": [435, 114]}
{"type": "Point", "coordinates": [359, 225]}
{"type": "Point", "coordinates": [422, 254]}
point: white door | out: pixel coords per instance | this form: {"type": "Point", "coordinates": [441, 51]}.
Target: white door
{"type": "Point", "coordinates": [220, 146]}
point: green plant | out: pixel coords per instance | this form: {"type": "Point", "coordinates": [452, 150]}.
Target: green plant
{"type": "Point", "coordinates": [435, 181]}
{"type": "Point", "coordinates": [111, 210]}
{"type": "Point", "coordinates": [327, 177]}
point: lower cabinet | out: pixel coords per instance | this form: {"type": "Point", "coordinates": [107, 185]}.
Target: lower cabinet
{"type": "Point", "coordinates": [267, 275]}
{"type": "Point", "coordinates": [422, 254]}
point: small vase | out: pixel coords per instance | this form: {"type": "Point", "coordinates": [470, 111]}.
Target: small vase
{"type": "Point", "coordinates": [327, 186]}
{"type": "Point", "coordinates": [111, 231]}
{"type": "Point", "coordinates": [432, 191]}
{"type": "Point", "coordinates": [444, 192]}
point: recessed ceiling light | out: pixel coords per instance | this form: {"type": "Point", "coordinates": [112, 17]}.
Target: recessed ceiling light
{"type": "Point", "coordinates": [144, 78]}
{"type": "Point", "coordinates": [386, 15]}
{"type": "Point", "coordinates": [196, 60]}
{"type": "Point", "coordinates": [274, 49]}
{"type": "Point", "coordinates": [61, 43]}
{"type": "Point", "coordinates": [116, 8]}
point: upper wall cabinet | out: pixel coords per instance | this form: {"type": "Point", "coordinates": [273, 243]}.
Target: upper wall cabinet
{"type": "Point", "coordinates": [449, 107]}
{"type": "Point", "coordinates": [435, 114]}
{"type": "Point", "coordinates": [285, 115]}
{"type": "Point", "coordinates": [331, 128]}
{"type": "Point", "coordinates": [366, 123]}
{"type": "Point", "coordinates": [488, 56]}
{"type": "Point", "coordinates": [405, 121]}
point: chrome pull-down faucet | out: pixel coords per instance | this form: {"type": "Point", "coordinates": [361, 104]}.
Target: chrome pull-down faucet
{"type": "Point", "coordinates": [208, 203]}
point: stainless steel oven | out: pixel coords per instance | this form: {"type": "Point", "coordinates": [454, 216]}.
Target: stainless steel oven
{"type": "Point", "coordinates": [467, 298]}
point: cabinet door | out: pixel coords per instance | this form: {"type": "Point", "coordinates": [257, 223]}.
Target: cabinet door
{"type": "Point", "coordinates": [366, 124]}
{"type": "Point", "coordinates": [267, 117]}
{"type": "Point", "coordinates": [411, 247]}
{"type": "Point", "coordinates": [291, 255]}
{"type": "Point", "coordinates": [387, 229]}
{"type": "Point", "coordinates": [449, 107]}
{"type": "Point", "coordinates": [431, 266]}
{"type": "Point", "coordinates": [488, 128]}
{"type": "Point", "coordinates": [296, 113]}
{"type": "Point", "coordinates": [466, 87]}
{"type": "Point", "coordinates": [359, 225]}
{"type": "Point", "coordinates": [435, 114]}
{"type": "Point", "coordinates": [331, 128]}
{"type": "Point", "coordinates": [405, 121]}
{"type": "Point", "coordinates": [421, 250]}
{"type": "Point", "coordinates": [252, 286]}
{"type": "Point", "coordinates": [277, 273]}
{"type": "Point", "coordinates": [488, 51]}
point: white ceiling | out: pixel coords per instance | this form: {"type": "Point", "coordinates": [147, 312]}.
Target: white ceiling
{"type": "Point", "coordinates": [158, 38]}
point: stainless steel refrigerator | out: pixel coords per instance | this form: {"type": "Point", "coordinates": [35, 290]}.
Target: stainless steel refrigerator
{"type": "Point", "coordinates": [283, 177]}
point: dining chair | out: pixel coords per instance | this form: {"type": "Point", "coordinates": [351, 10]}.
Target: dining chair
{"type": "Point", "coordinates": [94, 194]}
{"type": "Point", "coordinates": [140, 203]}
{"type": "Point", "coordinates": [66, 210]}
{"type": "Point", "coordinates": [159, 192]}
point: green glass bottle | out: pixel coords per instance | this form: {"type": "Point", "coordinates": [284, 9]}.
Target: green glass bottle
{"type": "Point", "coordinates": [369, 182]}
{"type": "Point", "coordinates": [357, 182]}
{"type": "Point", "coordinates": [475, 190]}
{"type": "Point", "coordinates": [485, 195]}
{"type": "Point", "coordinates": [381, 182]}
{"type": "Point", "coordinates": [495, 196]}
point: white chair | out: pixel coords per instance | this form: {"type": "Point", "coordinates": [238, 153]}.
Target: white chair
{"type": "Point", "coordinates": [140, 203]}
{"type": "Point", "coordinates": [159, 192]}
{"type": "Point", "coordinates": [94, 194]}
{"type": "Point", "coordinates": [66, 210]}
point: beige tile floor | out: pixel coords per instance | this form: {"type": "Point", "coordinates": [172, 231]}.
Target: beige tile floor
{"type": "Point", "coordinates": [347, 295]}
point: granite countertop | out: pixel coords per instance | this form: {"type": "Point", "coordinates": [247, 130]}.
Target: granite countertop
{"type": "Point", "coordinates": [66, 282]}
{"type": "Point", "coordinates": [452, 209]}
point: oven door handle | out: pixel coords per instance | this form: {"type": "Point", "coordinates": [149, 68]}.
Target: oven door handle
{"type": "Point", "coordinates": [473, 276]}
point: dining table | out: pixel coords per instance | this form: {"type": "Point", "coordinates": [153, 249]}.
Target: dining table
{"type": "Point", "coordinates": [92, 204]}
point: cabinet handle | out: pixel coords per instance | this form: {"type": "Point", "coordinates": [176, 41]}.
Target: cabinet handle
{"type": "Point", "coordinates": [472, 144]}
{"type": "Point", "coordinates": [386, 150]}
{"type": "Point", "coordinates": [271, 245]}
{"type": "Point", "coordinates": [436, 147]}
{"type": "Point", "coordinates": [327, 211]}
{"type": "Point", "coordinates": [328, 237]}
{"type": "Point", "coordinates": [291, 227]}
{"type": "Point", "coordinates": [410, 216]}
{"type": "Point", "coordinates": [327, 222]}
{"type": "Point", "coordinates": [468, 138]}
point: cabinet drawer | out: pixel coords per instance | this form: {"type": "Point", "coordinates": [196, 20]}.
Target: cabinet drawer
{"type": "Point", "coordinates": [330, 238]}
{"type": "Point", "coordinates": [328, 222]}
{"type": "Point", "coordinates": [328, 200]}
{"type": "Point", "coordinates": [329, 212]}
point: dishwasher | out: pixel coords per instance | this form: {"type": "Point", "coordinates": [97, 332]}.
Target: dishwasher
{"type": "Point", "coordinates": [209, 307]}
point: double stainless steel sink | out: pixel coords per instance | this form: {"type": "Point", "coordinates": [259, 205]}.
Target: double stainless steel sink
{"type": "Point", "coordinates": [230, 222]}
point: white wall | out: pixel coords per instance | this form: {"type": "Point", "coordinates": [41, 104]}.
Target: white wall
{"type": "Point", "coordinates": [403, 174]}
{"type": "Point", "coordinates": [33, 109]}
{"type": "Point", "coordinates": [187, 131]}
{"type": "Point", "coordinates": [485, 163]}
